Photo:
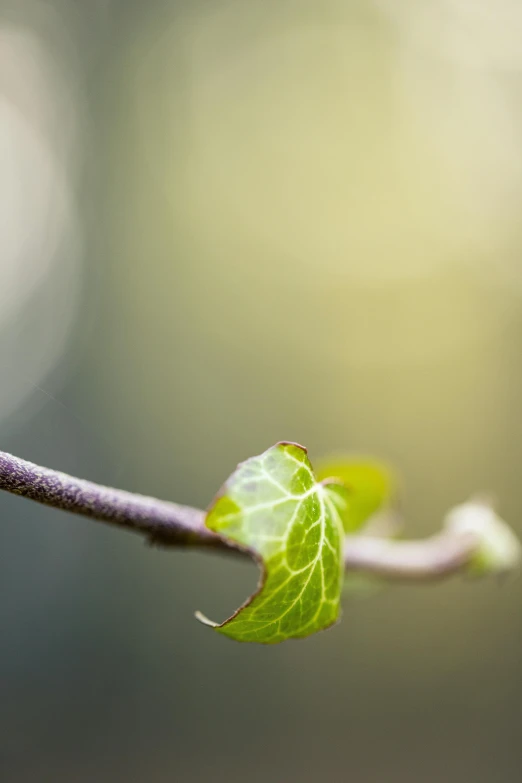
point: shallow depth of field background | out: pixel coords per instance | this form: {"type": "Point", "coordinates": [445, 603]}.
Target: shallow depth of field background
{"type": "Point", "coordinates": [223, 224]}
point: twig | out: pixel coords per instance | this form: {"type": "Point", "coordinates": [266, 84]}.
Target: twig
{"type": "Point", "coordinates": [161, 522]}
{"type": "Point", "coordinates": [171, 525]}
{"type": "Point", "coordinates": [427, 560]}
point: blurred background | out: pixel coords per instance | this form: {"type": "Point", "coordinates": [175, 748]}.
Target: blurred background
{"type": "Point", "coordinates": [224, 224]}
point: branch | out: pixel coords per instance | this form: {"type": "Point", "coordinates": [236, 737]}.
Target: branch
{"type": "Point", "coordinates": [171, 525]}
{"type": "Point", "coordinates": [431, 559]}
{"type": "Point", "coordinates": [161, 522]}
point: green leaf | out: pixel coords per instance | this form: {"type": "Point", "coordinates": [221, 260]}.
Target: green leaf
{"type": "Point", "coordinates": [273, 506]}
{"type": "Point", "coordinates": [372, 486]}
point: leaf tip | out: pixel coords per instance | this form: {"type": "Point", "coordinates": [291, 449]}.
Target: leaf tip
{"type": "Point", "coordinates": [204, 620]}
{"type": "Point", "coordinates": [292, 443]}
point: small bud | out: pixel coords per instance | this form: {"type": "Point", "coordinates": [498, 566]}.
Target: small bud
{"type": "Point", "coordinates": [499, 550]}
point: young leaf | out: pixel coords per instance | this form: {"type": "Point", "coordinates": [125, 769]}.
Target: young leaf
{"type": "Point", "coordinates": [372, 486]}
{"type": "Point", "coordinates": [499, 548]}
{"type": "Point", "coordinates": [273, 506]}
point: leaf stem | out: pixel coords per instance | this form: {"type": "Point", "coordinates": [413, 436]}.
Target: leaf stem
{"type": "Point", "coordinates": [171, 525]}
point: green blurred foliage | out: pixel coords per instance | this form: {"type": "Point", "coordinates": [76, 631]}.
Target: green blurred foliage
{"type": "Point", "coordinates": [372, 486]}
